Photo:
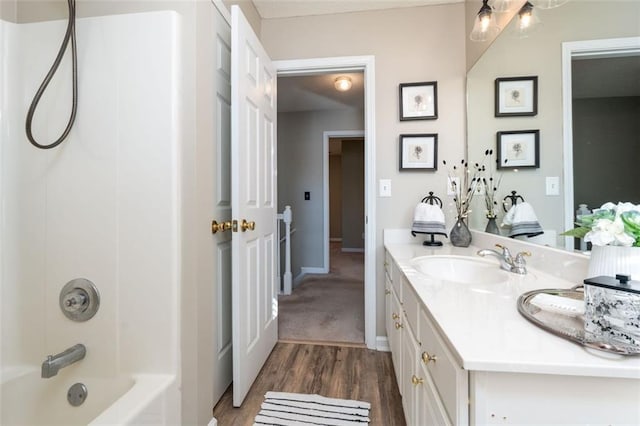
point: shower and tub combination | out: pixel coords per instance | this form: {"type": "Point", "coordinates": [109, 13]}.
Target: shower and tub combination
{"type": "Point", "coordinates": [89, 243]}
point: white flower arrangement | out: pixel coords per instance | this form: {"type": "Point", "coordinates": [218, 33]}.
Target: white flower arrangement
{"type": "Point", "coordinates": [612, 224]}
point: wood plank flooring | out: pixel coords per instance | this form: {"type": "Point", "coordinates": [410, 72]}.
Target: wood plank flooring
{"type": "Point", "coordinates": [332, 371]}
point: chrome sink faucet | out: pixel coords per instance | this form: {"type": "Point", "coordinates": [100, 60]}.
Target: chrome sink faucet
{"type": "Point", "coordinates": [54, 363]}
{"type": "Point", "coordinates": [516, 265]}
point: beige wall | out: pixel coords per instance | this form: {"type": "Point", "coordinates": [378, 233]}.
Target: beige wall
{"type": "Point", "coordinates": [8, 10]}
{"type": "Point", "coordinates": [541, 55]}
{"type": "Point", "coordinates": [250, 12]}
{"type": "Point", "coordinates": [335, 196]}
{"type": "Point", "coordinates": [409, 45]}
{"type": "Point", "coordinates": [352, 194]}
{"type": "Point", "coordinates": [300, 162]}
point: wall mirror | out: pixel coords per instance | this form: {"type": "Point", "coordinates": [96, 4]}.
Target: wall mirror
{"type": "Point", "coordinates": [558, 185]}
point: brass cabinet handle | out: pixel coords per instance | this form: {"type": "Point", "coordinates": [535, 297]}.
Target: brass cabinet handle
{"type": "Point", "coordinates": [426, 357]}
{"type": "Point", "coordinates": [220, 227]}
{"type": "Point", "coordinates": [395, 316]}
{"type": "Point", "coordinates": [399, 325]}
{"type": "Point", "coordinates": [387, 291]}
{"type": "Point", "coordinates": [416, 381]}
{"type": "Point", "coordinates": [244, 225]}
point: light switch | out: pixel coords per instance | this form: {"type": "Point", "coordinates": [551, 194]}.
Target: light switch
{"type": "Point", "coordinates": [385, 188]}
{"type": "Point", "coordinates": [553, 185]}
{"type": "Point", "coordinates": [450, 186]}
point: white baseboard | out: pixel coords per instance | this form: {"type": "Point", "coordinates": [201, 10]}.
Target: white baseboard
{"type": "Point", "coordinates": [335, 240]}
{"type": "Point", "coordinates": [307, 270]}
{"type": "Point", "coordinates": [382, 344]}
{"type": "Point", "coordinates": [352, 250]}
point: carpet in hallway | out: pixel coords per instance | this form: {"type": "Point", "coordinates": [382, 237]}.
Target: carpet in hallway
{"type": "Point", "coordinates": [327, 307]}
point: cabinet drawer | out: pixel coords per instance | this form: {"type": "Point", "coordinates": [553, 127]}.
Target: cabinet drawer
{"type": "Point", "coordinates": [448, 377]}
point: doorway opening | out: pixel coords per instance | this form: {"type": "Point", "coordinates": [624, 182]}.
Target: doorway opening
{"type": "Point", "coordinates": [310, 193]}
{"type": "Point", "coordinates": [601, 98]}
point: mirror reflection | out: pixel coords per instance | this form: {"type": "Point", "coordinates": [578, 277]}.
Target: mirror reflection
{"type": "Point", "coordinates": [599, 162]}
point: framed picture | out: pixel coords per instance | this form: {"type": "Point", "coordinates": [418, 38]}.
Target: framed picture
{"type": "Point", "coordinates": [419, 152]}
{"type": "Point", "coordinates": [419, 101]}
{"type": "Point", "coordinates": [519, 149]}
{"type": "Point", "coordinates": [516, 96]}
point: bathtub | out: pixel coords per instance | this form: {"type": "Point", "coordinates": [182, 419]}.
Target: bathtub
{"type": "Point", "coordinates": [27, 399]}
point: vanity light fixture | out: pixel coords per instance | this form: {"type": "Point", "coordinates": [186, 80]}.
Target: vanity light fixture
{"type": "Point", "coordinates": [485, 24]}
{"type": "Point", "coordinates": [527, 21]}
{"type": "Point", "coordinates": [342, 84]}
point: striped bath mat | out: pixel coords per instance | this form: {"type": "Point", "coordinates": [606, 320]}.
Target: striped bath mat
{"type": "Point", "coordinates": [289, 409]}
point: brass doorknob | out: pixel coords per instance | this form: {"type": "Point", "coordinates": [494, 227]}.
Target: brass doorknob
{"type": "Point", "coordinates": [395, 316]}
{"type": "Point", "coordinates": [220, 227]}
{"type": "Point", "coordinates": [398, 325]}
{"type": "Point", "coordinates": [416, 381]}
{"type": "Point", "coordinates": [244, 225]}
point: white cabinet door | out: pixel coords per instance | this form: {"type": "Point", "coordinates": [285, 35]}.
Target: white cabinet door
{"type": "Point", "coordinates": [253, 202]}
{"type": "Point", "coordinates": [409, 379]}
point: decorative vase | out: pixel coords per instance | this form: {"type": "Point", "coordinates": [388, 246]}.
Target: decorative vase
{"type": "Point", "coordinates": [492, 226]}
{"type": "Point", "coordinates": [460, 235]}
{"type": "Point", "coordinates": [612, 260]}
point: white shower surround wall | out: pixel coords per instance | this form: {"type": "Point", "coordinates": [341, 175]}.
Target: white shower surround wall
{"type": "Point", "coordinates": [102, 206]}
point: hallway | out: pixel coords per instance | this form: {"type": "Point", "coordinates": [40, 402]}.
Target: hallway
{"type": "Point", "coordinates": [327, 307]}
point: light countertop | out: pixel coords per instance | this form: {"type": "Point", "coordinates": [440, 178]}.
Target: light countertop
{"type": "Point", "coordinates": [484, 330]}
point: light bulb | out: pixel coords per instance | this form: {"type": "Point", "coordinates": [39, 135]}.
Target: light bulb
{"type": "Point", "coordinates": [342, 84]}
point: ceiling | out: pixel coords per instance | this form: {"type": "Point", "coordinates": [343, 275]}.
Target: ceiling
{"type": "Point", "coordinates": [271, 9]}
{"type": "Point", "coordinates": [317, 93]}
{"type": "Point", "coordinates": [606, 77]}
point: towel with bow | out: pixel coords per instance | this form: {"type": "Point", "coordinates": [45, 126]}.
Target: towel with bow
{"type": "Point", "coordinates": [428, 219]}
{"type": "Point", "coordinates": [523, 221]}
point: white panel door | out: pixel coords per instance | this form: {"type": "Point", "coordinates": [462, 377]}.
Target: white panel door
{"type": "Point", "coordinates": [220, 155]}
{"type": "Point", "coordinates": [253, 201]}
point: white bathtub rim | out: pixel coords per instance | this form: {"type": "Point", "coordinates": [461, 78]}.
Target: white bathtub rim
{"type": "Point", "coordinates": [146, 388]}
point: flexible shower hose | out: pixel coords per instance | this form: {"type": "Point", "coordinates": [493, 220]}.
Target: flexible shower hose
{"type": "Point", "coordinates": [69, 35]}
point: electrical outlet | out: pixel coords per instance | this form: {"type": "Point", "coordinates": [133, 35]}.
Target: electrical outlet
{"type": "Point", "coordinates": [450, 181]}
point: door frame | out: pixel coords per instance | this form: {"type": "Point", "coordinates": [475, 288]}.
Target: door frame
{"type": "Point", "coordinates": [325, 182]}
{"type": "Point", "coordinates": [610, 47]}
{"type": "Point", "coordinates": [366, 64]}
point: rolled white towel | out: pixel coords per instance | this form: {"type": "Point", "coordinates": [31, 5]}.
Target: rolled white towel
{"type": "Point", "coordinates": [428, 219]}
{"type": "Point", "coordinates": [558, 304]}
{"type": "Point", "coordinates": [523, 221]}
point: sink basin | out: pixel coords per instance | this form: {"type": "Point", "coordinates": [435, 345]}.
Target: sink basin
{"type": "Point", "coordinates": [461, 269]}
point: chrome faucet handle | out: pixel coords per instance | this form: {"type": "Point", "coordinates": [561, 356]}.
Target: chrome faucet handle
{"type": "Point", "coordinates": [519, 264]}
{"type": "Point", "coordinates": [505, 252]}
{"type": "Point", "coordinates": [520, 257]}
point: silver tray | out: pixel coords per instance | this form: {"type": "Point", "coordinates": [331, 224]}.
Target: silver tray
{"type": "Point", "coordinates": [565, 326]}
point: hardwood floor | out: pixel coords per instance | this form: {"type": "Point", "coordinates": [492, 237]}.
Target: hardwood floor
{"type": "Point", "coordinates": [332, 371]}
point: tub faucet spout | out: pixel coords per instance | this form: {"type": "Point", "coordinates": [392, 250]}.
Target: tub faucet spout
{"type": "Point", "coordinates": [54, 363]}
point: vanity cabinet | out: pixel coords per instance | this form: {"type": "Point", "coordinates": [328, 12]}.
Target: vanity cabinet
{"type": "Point", "coordinates": [433, 385]}
{"type": "Point", "coordinates": [513, 372]}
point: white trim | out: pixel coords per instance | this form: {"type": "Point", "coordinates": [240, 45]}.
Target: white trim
{"type": "Point", "coordinates": [582, 49]}
{"type": "Point", "coordinates": [352, 250]}
{"type": "Point", "coordinates": [382, 344]}
{"type": "Point", "coordinates": [325, 181]}
{"type": "Point", "coordinates": [366, 63]}
{"type": "Point", "coordinates": [223, 10]}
